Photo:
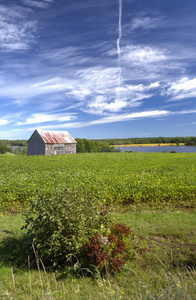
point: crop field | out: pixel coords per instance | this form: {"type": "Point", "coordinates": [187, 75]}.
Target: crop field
{"type": "Point", "coordinates": [157, 179]}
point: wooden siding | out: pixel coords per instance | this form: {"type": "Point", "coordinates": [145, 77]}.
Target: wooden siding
{"type": "Point", "coordinates": [36, 145]}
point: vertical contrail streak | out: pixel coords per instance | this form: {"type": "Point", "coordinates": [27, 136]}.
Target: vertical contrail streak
{"type": "Point", "coordinates": [118, 42]}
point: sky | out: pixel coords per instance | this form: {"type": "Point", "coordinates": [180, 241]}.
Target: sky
{"type": "Point", "coordinates": [98, 69]}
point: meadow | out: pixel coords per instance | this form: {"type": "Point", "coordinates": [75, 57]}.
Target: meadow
{"type": "Point", "coordinates": [154, 193]}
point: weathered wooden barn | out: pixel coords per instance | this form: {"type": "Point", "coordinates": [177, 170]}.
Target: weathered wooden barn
{"type": "Point", "coordinates": [43, 142]}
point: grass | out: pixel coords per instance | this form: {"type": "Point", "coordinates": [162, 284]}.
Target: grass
{"type": "Point", "coordinates": [163, 265]}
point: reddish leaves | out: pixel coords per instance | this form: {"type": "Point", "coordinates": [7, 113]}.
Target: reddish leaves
{"type": "Point", "coordinates": [109, 253]}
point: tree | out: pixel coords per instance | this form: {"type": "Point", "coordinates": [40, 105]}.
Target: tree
{"type": "Point", "coordinates": [4, 148]}
{"type": "Point", "coordinates": [80, 146]}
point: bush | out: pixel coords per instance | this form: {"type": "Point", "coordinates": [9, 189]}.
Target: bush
{"type": "Point", "coordinates": [109, 253]}
{"type": "Point", "coordinates": [60, 225]}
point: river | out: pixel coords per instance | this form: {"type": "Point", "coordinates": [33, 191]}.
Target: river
{"type": "Point", "coordinates": [180, 149]}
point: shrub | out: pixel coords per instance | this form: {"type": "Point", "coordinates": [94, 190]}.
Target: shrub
{"type": "Point", "coordinates": [109, 253]}
{"type": "Point", "coordinates": [60, 225]}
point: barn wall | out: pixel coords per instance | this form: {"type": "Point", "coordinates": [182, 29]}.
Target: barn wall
{"type": "Point", "coordinates": [49, 149]}
{"type": "Point", "coordinates": [70, 148]}
{"type": "Point", "coordinates": [52, 149]}
{"type": "Point", "coordinates": [36, 145]}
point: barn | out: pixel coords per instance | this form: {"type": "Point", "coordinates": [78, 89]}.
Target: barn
{"type": "Point", "coordinates": [43, 142]}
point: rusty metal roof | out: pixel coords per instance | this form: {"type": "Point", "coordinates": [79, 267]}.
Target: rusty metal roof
{"type": "Point", "coordinates": [56, 137]}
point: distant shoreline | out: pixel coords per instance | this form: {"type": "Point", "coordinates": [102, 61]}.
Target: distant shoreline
{"type": "Point", "coordinates": [149, 145]}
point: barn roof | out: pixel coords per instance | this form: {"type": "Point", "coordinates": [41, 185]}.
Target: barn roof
{"type": "Point", "coordinates": [56, 137]}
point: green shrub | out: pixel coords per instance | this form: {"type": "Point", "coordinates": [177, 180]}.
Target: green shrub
{"type": "Point", "coordinates": [60, 225]}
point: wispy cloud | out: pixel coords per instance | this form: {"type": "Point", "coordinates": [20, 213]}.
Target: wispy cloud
{"type": "Point", "coordinates": [39, 4]}
{"type": "Point", "coordinates": [115, 118]}
{"type": "Point", "coordinates": [186, 124]}
{"type": "Point", "coordinates": [43, 118]}
{"type": "Point", "coordinates": [94, 89]}
{"type": "Point", "coordinates": [17, 31]}
{"type": "Point", "coordinates": [110, 119]}
{"type": "Point", "coordinates": [132, 116]}
{"type": "Point", "coordinates": [146, 21]}
{"type": "Point", "coordinates": [184, 88]}
{"type": "Point", "coordinates": [69, 56]}
{"type": "Point", "coordinates": [143, 54]}
{"type": "Point", "coordinates": [147, 62]}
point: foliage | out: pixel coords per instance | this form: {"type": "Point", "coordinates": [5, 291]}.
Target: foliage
{"type": "Point", "coordinates": [20, 150]}
{"type": "Point", "coordinates": [59, 225]}
{"type": "Point", "coordinates": [84, 145]}
{"type": "Point", "coordinates": [21, 143]}
{"type": "Point", "coordinates": [4, 148]}
{"type": "Point", "coordinates": [191, 141]}
{"type": "Point", "coordinates": [109, 253]}
{"type": "Point", "coordinates": [150, 140]}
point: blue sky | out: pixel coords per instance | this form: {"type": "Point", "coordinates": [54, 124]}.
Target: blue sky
{"type": "Point", "coordinates": [98, 69]}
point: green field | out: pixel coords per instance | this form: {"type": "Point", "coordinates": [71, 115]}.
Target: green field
{"type": "Point", "coordinates": [156, 179]}
{"type": "Point", "coordinates": [153, 193]}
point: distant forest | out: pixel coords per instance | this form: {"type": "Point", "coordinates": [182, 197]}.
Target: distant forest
{"type": "Point", "coordinates": [20, 143]}
{"type": "Point", "coordinates": [189, 141]}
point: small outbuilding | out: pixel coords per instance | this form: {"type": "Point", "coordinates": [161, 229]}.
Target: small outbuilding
{"type": "Point", "coordinates": [43, 142]}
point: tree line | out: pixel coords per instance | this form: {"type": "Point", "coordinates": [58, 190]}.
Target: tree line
{"type": "Point", "coordinates": [154, 140]}
{"type": "Point", "coordinates": [84, 145]}
{"type": "Point", "coordinates": [21, 143]}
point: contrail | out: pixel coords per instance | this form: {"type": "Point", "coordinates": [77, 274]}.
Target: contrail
{"type": "Point", "coordinates": [118, 42]}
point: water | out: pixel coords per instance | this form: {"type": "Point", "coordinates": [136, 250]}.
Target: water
{"type": "Point", "coordinates": [180, 149]}
{"type": "Point", "coordinates": [17, 147]}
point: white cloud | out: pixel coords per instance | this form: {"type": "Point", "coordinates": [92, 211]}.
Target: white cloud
{"type": "Point", "coordinates": [3, 122]}
{"type": "Point", "coordinates": [96, 89]}
{"type": "Point", "coordinates": [143, 54]}
{"type": "Point", "coordinates": [42, 118]}
{"type": "Point", "coordinates": [184, 88]}
{"type": "Point", "coordinates": [154, 85]}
